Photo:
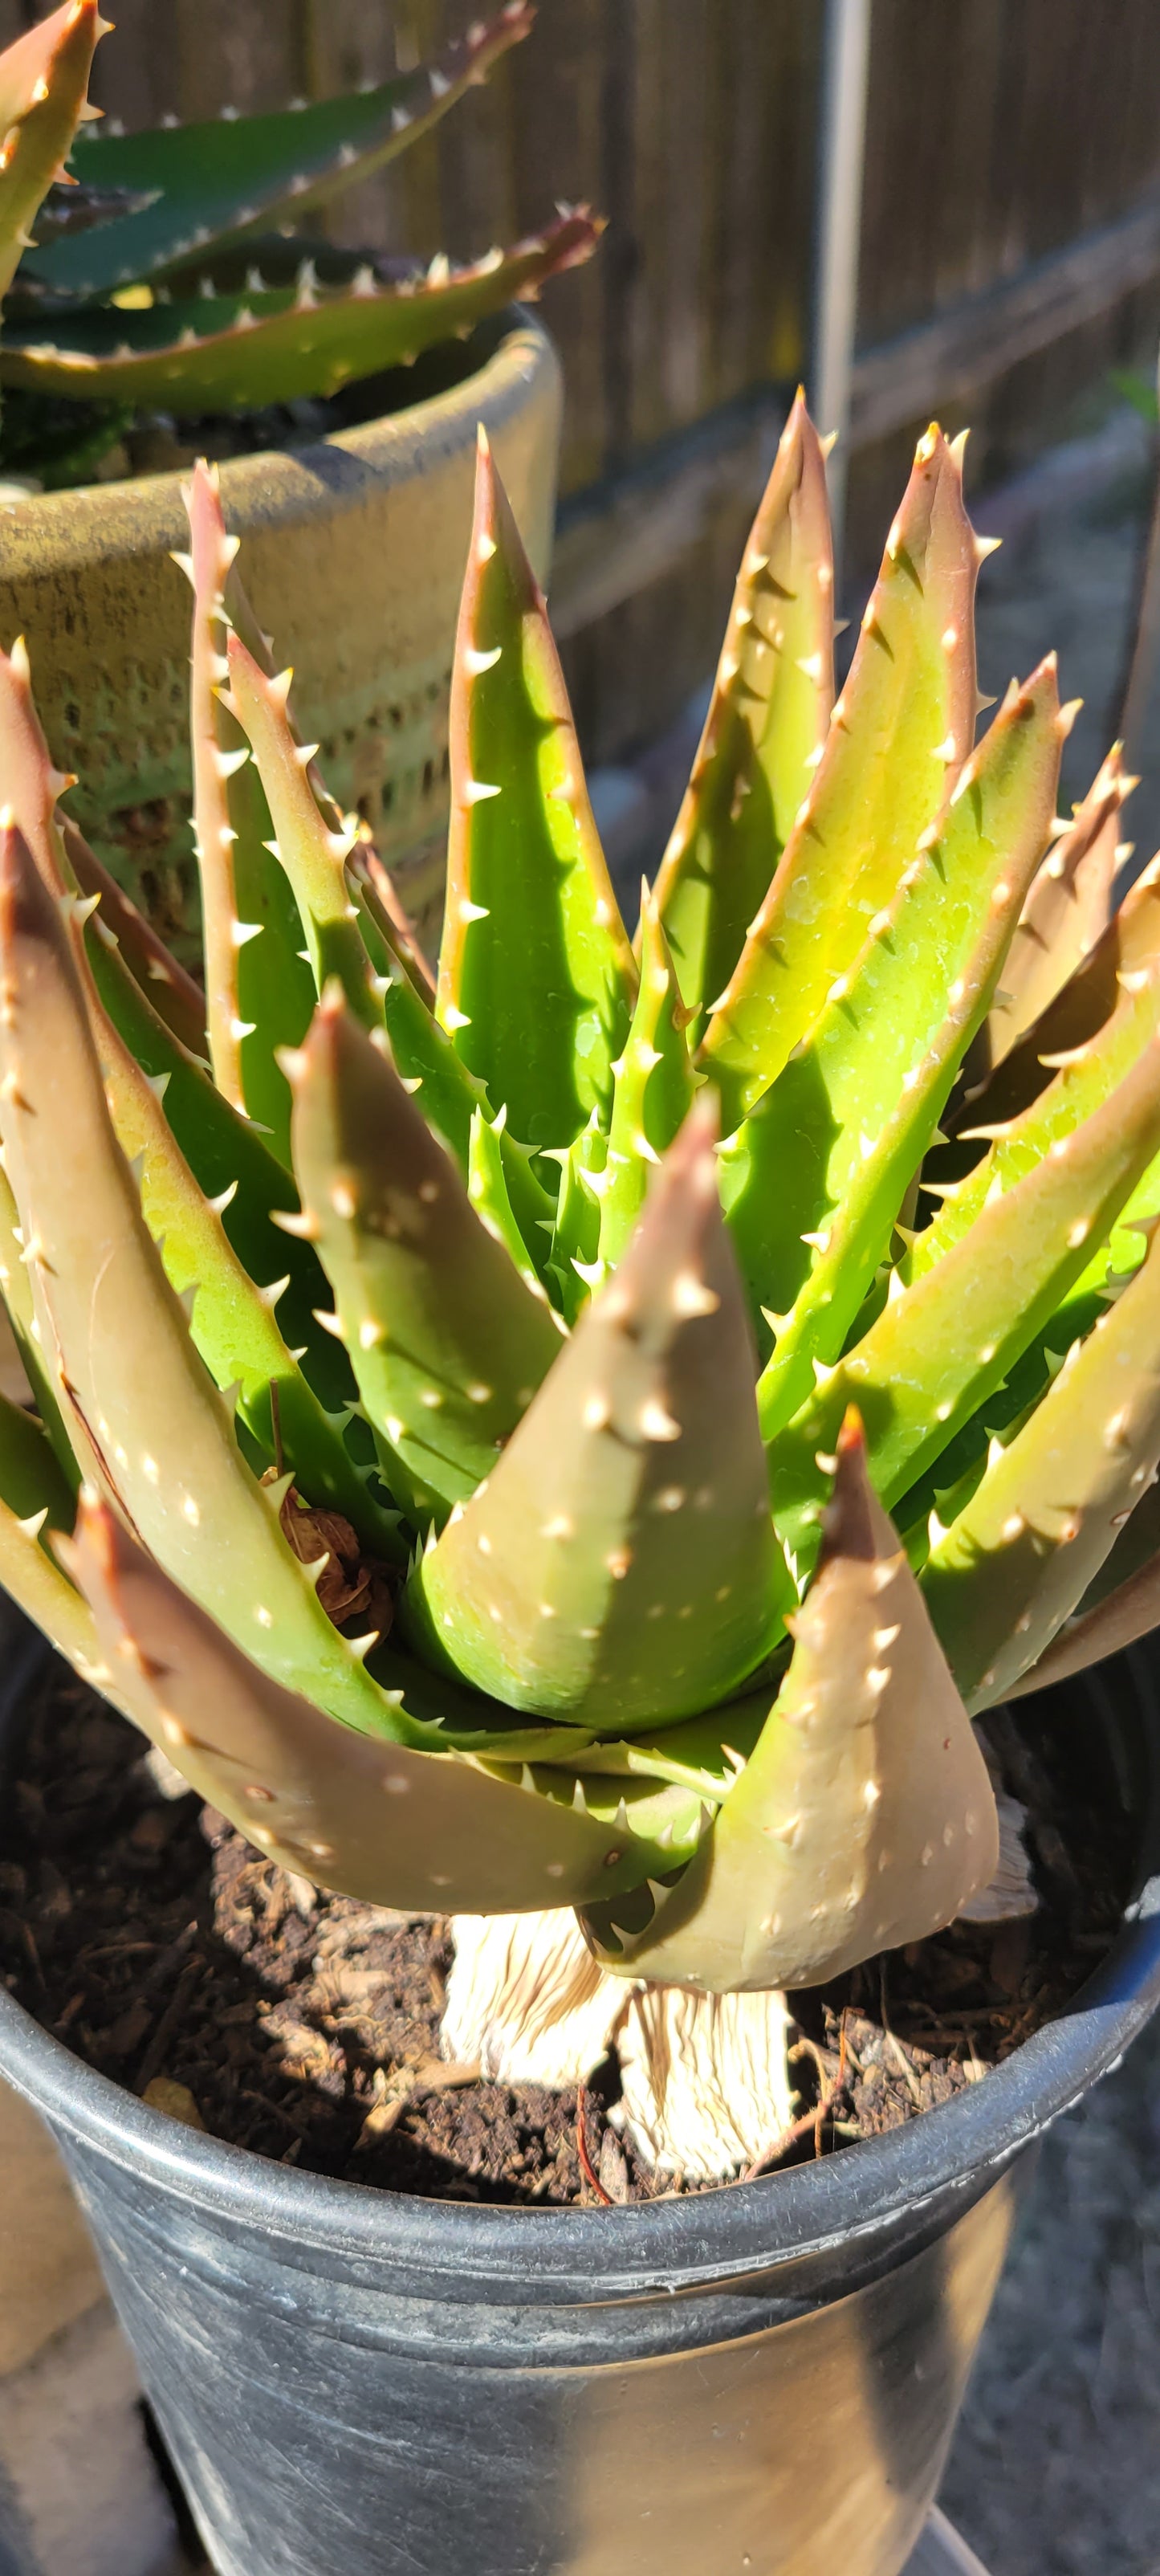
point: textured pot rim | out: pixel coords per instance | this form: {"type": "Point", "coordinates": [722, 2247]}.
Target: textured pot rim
{"type": "Point", "coordinates": [943, 2160]}
{"type": "Point", "coordinates": [145, 515]}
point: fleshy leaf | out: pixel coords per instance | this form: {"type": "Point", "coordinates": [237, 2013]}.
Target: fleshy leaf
{"type": "Point", "coordinates": [447, 1341]}
{"type": "Point", "coordinates": [903, 725]}
{"type": "Point", "coordinates": [574, 1265]}
{"type": "Point", "coordinates": [171, 992]}
{"type": "Point", "coordinates": [16, 1284]}
{"type": "Point", "coordinates": [1129, 945]}
{"type": "Point", "coordinates": [1000, 1581]}
{"type": "Point", "coordinates": [536, 978]}
{"type": "Point", "coordinates": [1087, 1074]}
{"type": "Point", "coordinates": [229, 1160]}
{"type": "Point", "coordinates": [943, 1345]}
{"type": "Point", "coordinates": [487, 1189]}
{"type": "Point", "coordinates": [1066, 910]}
{"type": "Point", "coordinates": [313, 850]}
{"type": "Point", "coordinates": [815, 1178]}
{"type": "Point", "coordinates": [1120, 1606]}
{"type": "Point", "coordinates": [652, 1090]}
{"type": "Point", "coordinates": [44, 79]}
{"type": "Point", "coordinates": [259, 988]}
{"type": "Point", "coordinates": [233, 352]}
{"type": "Point", "coordinates": [114, 1333]}
{"type": "Point", "coordinates": [765, 728]}
{"type": "Point", "coordinates": [35, 1501]}
{"type": "Point", "coordinates": [378, 1821]}
{"type": "Point", "coordinates": [233, 1322]}
{"type": "Point", "coordinates": [619, 1567]}
{"type": "Point", "coordinates": [223, 179]}
{"type": "Point", "coordinates": [864, 1817]}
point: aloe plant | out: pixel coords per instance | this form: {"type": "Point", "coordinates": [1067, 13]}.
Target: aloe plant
{"type": "Point", "coordinates": [163, 271]}
{"type": "Point", "coordinates": [592, 1429]}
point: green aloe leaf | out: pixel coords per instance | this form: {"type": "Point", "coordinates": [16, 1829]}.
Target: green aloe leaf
{"type": "Point", "coordinates": [619, 1568]}
{"type": "Point", "coordinates": [232, 1322]}
{"type": "Point", "coordinates": [314, 849]}
{"type": "Point", "coordinates": [942, 1346]}
{"type": "Point", "coordinates": [1012, 1566]}
{"type": "Point", "coordinates": [653, 1086]}
{"type": "Point", "coordinates": [765, 728]}
{"type": "Point", "coordinates": [899, 733]}
{"type": "Point", "coordinates": [490, 1196]}
{"type": "Point", "coordinates": [213, 183]}
{"type": "Point", "coordinates": [239, 351]}
{"type": "Point", "coordinates": [573, 1262]}
{"type": "Point", "coordinates": [447, 1340]}
{"type": "Point", "coordinates": [814, 1180]}
{"type": "Point", "coordinates": [172, 993]}
{"type": "Point", "coordinates": [863, 1817]}
{"type": "Point", "coordinates": [377, 1820]}
{"type": "Point", "coordinates": [16, 1284]}
{"type": "Point", "coordinates": [228, 1158]}
{"type": "Point", "coordinates": [35, 1501]}
{"type": "Point", "coordinates": [536, 978]}
{"type": "Point", "coordinates": [44, 79]}
{"type": "Point", "coordinates": [259, 988]}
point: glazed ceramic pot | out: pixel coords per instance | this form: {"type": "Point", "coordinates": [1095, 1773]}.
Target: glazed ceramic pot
{"type": "Point", "coordinates": [353, 555]}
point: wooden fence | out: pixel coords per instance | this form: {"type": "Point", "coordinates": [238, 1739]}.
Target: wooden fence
{"type": "Point", "coordinates": [1010, 250]}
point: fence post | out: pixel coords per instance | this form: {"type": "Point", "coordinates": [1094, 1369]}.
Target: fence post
{"type": "Point", "coordinates": [841, 153]}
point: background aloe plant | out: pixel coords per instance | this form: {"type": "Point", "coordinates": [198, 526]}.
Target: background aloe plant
{"type": "Point", "coordinates": [592, 1429]}
{"type": "Point", "coordinates": [163, 271]}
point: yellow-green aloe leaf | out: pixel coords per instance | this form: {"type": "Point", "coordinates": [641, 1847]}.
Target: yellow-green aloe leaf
{"type": "Point", "coordinates": [536, 976]}
{"type": "Point", "coordinates": [447, 1340]}
{"type": "Point", "coordinates": [378, 1821]}
{"type": "Point", "coordinates": [765, 728]}
{"type": "Point", "coordinates": [44, 80]}
{"type": "Point", "coordinates": [899, 733]}
{"type": "Point", "coordinates": [942, 1346]}
{"type": "Point", "coordinates": [862, 1819]}
{"type": "Point", "coordinates": [1012, 1566]}
{"type": "Point", "coordinates": [1128, 946]}
{"type": "Point", "coordinates": [1066, 910]}
{"type": "Point", "coordinates": [1120, 1605]}
{"type": "Point", "coordinates": [653, 1087]}
{"type": "Point", "coordinates": [115, 1333]}
{"type": "Point", "coordinates": [619, 1569]}
{"type": "Point", "coordinates": [815, 1178]}
{"type": "Point", "coordinates": [1085, 1075]}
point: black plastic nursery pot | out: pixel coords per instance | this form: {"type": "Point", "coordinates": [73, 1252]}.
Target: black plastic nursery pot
{"type": "Point", "coordinates": [763, 2377]}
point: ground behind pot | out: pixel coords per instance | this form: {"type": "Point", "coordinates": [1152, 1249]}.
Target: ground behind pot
{"type": "Point", "coordinates": [760, 2378]}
